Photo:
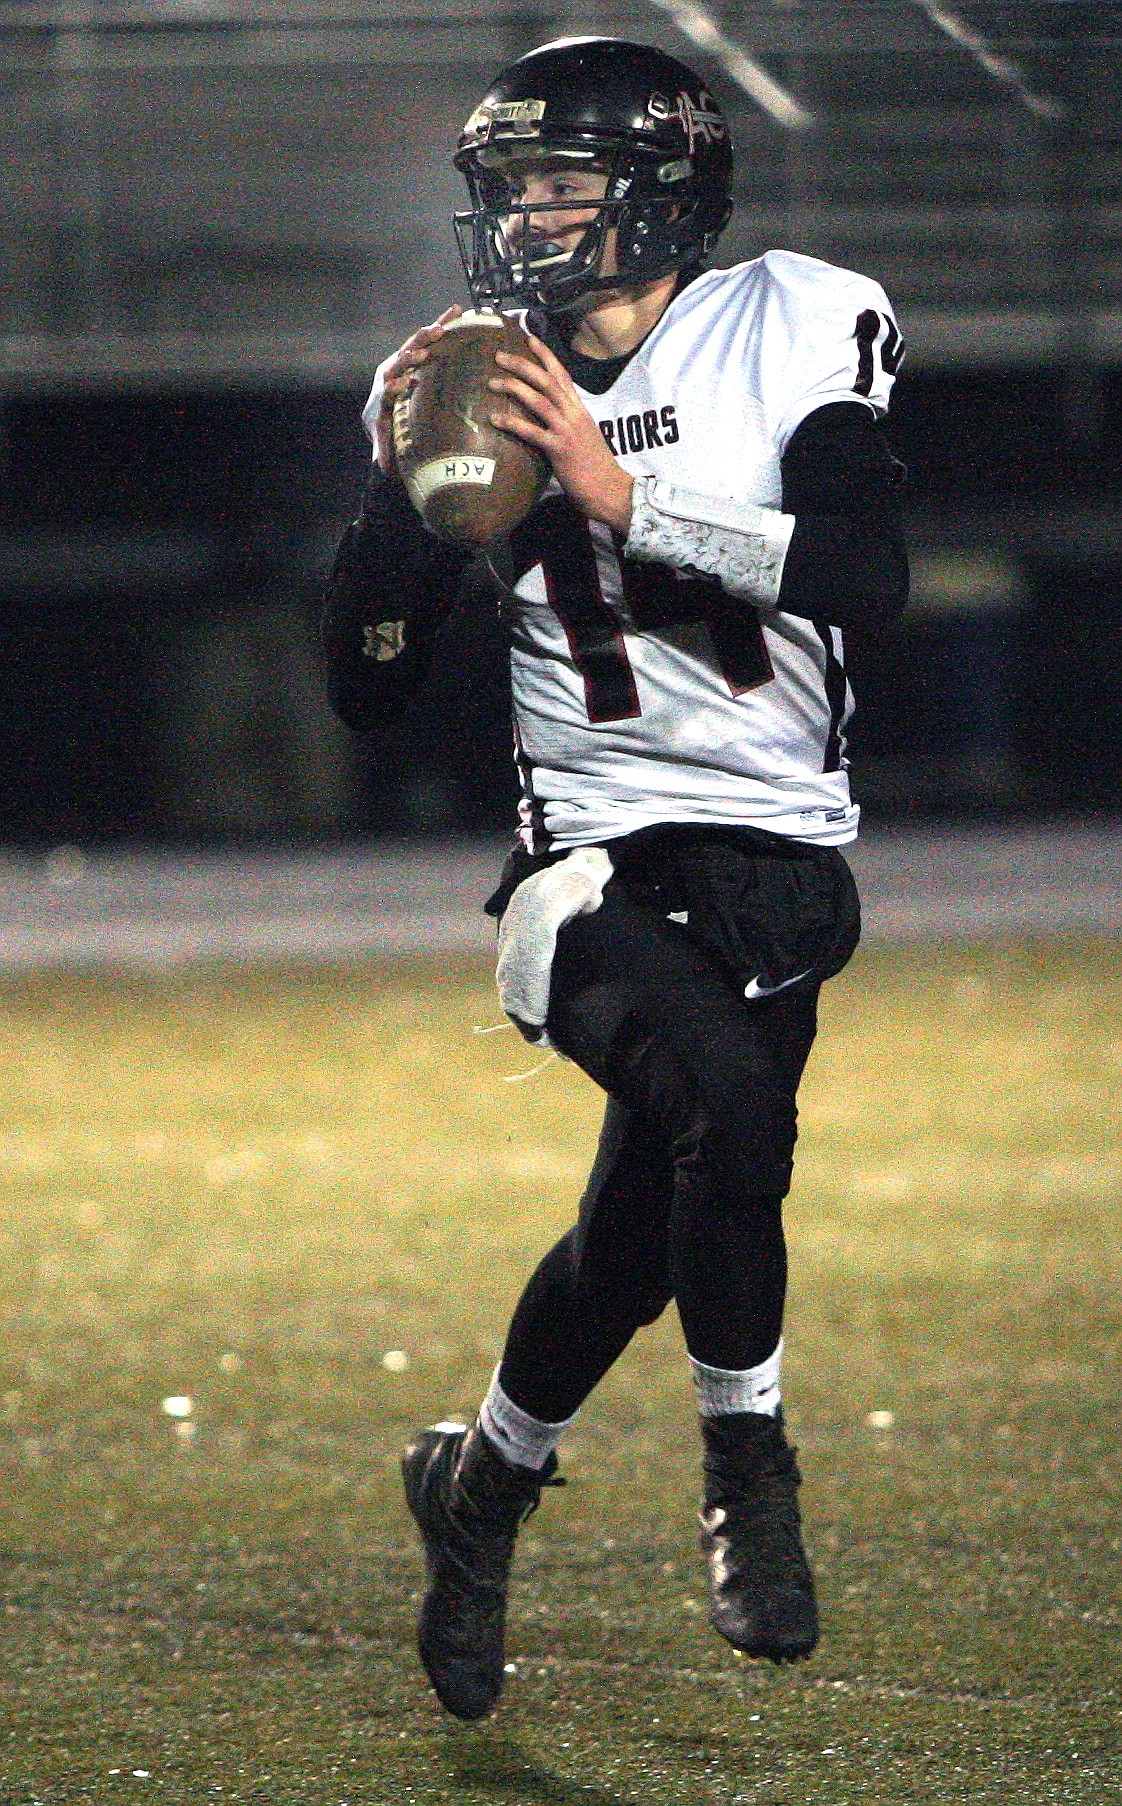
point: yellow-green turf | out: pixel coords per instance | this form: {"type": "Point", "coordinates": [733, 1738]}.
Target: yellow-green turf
{"type": "Point", "coordinates": [250, 1187]}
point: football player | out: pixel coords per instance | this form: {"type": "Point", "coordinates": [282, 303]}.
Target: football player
{"type": "Point", "coordinates": [724, 505]}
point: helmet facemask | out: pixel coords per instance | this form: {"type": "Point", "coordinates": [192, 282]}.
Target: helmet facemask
{"type": "Point", "coordinates": [656, 231]}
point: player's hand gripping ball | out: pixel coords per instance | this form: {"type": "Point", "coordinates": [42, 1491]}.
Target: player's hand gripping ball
{"type": "Point", "coordinates": [469, 480]}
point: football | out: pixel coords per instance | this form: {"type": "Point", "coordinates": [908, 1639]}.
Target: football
{"type": "Point", "coordinates": [468, 480]}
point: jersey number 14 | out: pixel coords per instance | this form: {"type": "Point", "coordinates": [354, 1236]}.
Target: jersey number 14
{"type": "Point", "coordinates": [560, 541]}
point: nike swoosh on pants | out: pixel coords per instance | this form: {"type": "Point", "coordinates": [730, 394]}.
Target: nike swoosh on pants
{"type": "Point", "coordinates": [754, 989]}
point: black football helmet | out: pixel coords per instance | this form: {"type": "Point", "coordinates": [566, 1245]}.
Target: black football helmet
{"type": "Point", "coordinates": [638, 115]}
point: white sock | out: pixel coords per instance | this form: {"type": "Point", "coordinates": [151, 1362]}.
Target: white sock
{"type": "Point", "coordinates": [723, 1390]}
{"type": "Point", "coordinates": [523, 1439]}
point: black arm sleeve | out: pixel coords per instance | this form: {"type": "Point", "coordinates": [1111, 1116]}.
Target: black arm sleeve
{"type": "Point", "coordinates": [847, 562]}
{"type": "Point", "coordinates": [391, 587]}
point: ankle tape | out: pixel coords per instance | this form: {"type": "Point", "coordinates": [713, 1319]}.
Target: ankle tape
{"type": "Point", "coordinates": [725, 1391]}
{"type": "Point", "coordinates": [524, 1440]}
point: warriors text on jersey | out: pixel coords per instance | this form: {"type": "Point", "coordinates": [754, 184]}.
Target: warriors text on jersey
{"type": "Point", "coordinates": [643, 695]}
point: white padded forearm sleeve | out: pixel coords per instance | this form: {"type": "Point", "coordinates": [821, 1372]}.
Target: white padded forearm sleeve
{"type": "Point", "coordinates": [742, 545]}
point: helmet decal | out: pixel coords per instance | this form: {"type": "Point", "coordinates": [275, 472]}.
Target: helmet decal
{"type": "Point", "coordinates": [518, 112]}
{"type": "Point", "coordinates": [701, 119]}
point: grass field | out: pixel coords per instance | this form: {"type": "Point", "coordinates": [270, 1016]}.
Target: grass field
{"type": "Point", "coordinates": [250, 1188]}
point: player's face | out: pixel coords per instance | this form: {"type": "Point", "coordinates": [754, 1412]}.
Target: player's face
{"type": "Point", "coordinates": [560, 198]}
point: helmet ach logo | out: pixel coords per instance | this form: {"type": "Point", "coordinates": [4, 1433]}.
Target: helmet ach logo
{"type": "Point", "coordinates": [701, 119]}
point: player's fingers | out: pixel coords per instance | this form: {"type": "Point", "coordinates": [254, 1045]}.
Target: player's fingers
{"type": "Point", "coordinates": [428, 335]}
{"type": "Point", "coordinates": [550, 361]}
{"type": "Point", "coordinates": [533, 431]}
{"type": "Point", "coordinates": [551, 382]}
{"type": "Point", "coordinates": [544, 400]}
{"type": "Point", "coordinates": [442, 320]}
{"type": "Point", "coordinates": [528, 370]}
{"type": "Point", "coordinates": [402, 362]}
{"type": "Point", "coordinates": [400, 376]}
{"type": "Point", "coordinates": [425, 335]}
{"type": "Point", "coordinates": [544, 405]}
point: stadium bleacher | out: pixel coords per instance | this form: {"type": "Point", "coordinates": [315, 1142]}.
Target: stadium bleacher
{"type": "Point", "coordinates": [249, 190]}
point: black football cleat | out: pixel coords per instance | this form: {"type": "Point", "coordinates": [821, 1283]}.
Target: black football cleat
{"type": "Point", "coordinates": [469, 1503]}
{"type": "Point", "coordinates": [760, 1584]}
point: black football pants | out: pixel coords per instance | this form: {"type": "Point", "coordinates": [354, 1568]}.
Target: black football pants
{"type": "Point", "coordinates": [684, 1199]}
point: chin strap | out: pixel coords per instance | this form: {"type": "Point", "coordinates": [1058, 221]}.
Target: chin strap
{"type": "Point", "coordinates": [710, 536]}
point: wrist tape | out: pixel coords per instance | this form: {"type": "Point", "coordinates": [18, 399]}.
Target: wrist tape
{"type": "Point", "coordinates": [742, 545]}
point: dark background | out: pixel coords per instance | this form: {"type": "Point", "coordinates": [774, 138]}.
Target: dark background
{"type": "Point", "coordinates": [217, 230]}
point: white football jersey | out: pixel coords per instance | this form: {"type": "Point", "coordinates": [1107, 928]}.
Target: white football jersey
{"type": "Point", "coordinates": [629, 707]}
